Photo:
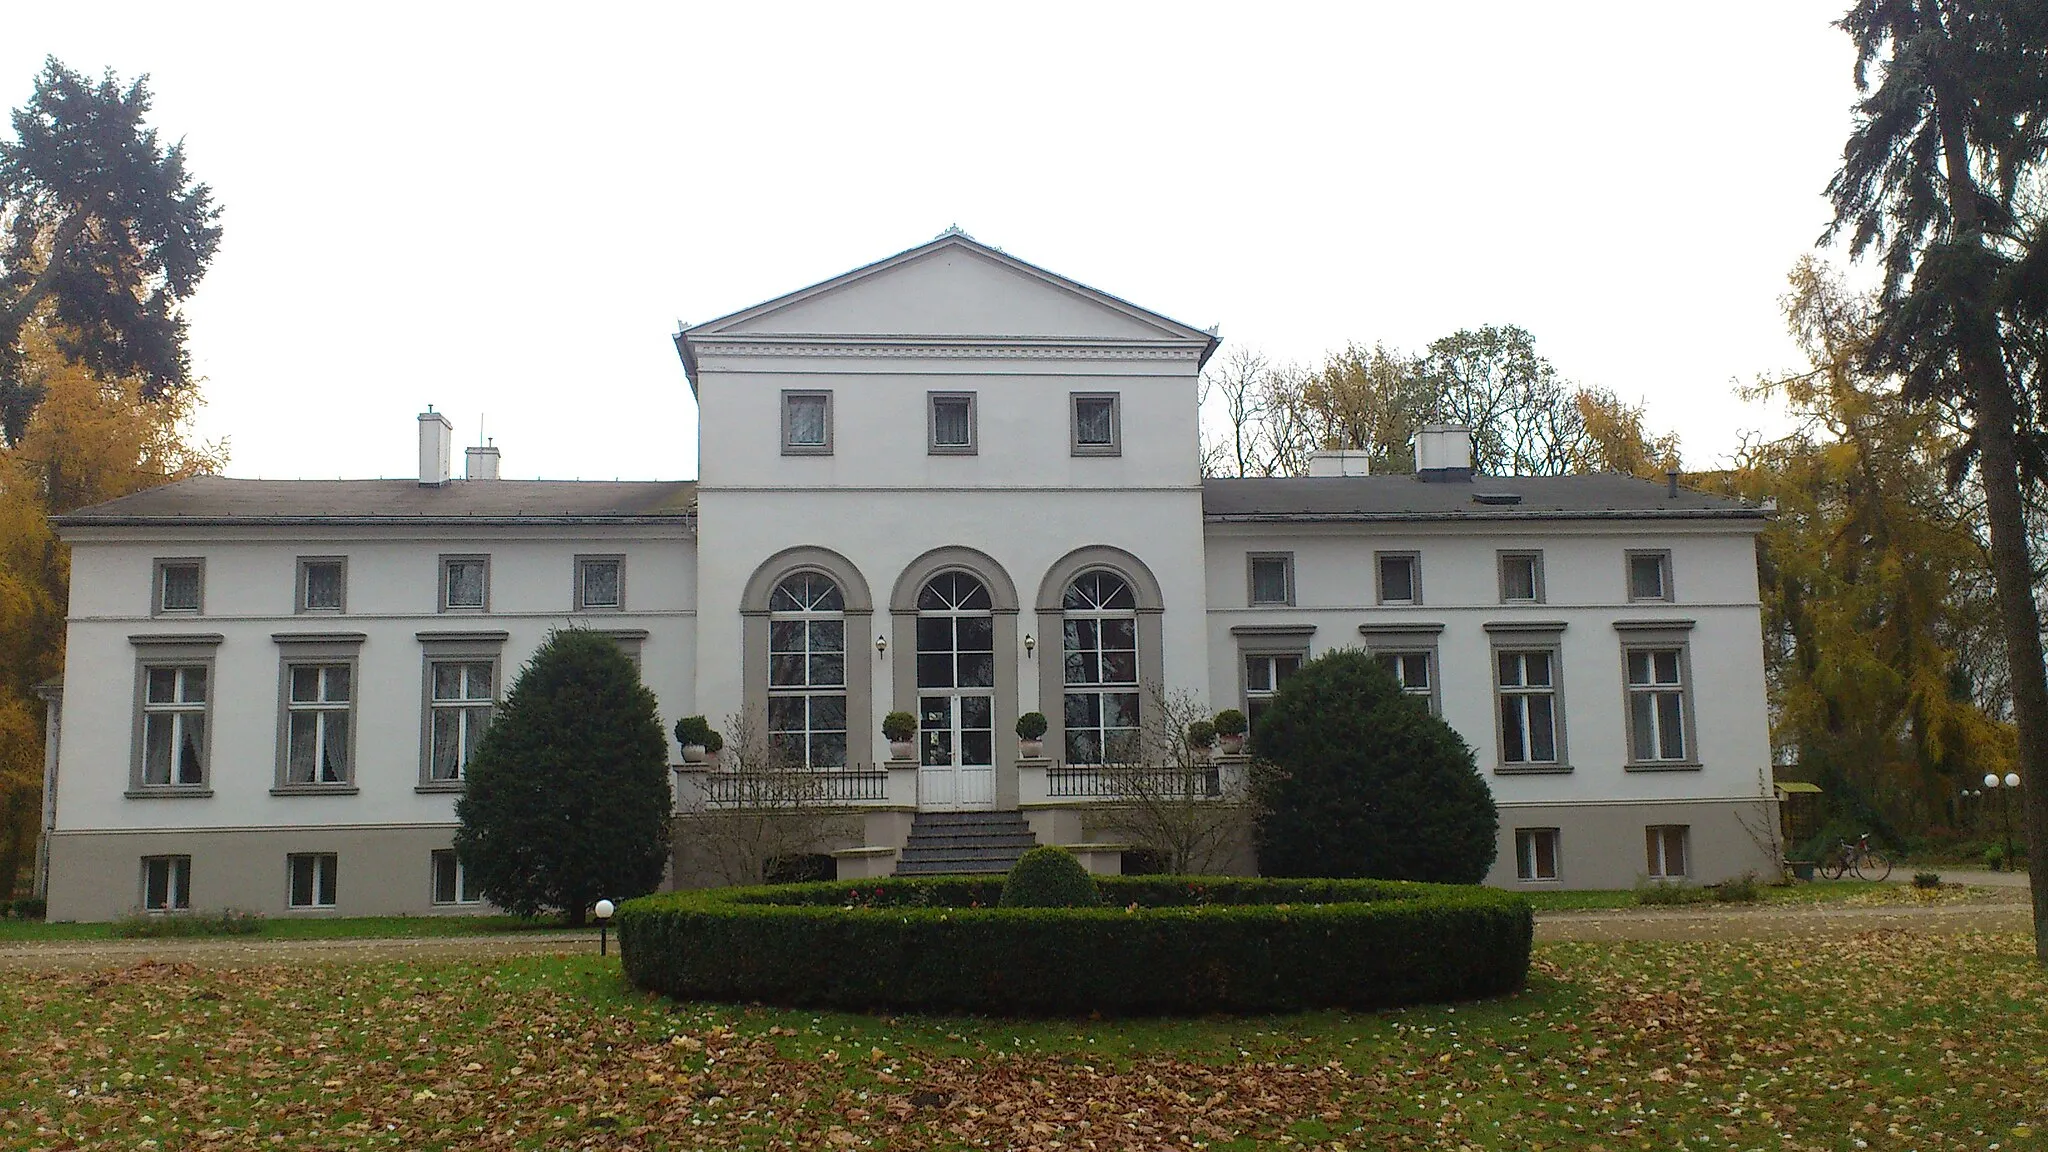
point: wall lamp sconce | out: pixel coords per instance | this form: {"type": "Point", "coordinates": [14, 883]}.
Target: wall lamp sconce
{"type": "Point", "coordinates": [1030, 644]}
{"type": "Point", "coordinates": [881, 645]}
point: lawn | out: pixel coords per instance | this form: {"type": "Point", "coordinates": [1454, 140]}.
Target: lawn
{"type": "Point", "coordinates": [1885, 1041]}
{"type": "Point", "coordinates": [304, 928]}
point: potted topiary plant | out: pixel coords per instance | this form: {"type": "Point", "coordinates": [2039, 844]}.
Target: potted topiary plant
{"type": "Point", "coordinates": [698, 738]}
{"type": "Point", "coordinates": [1031, 735]}
{"type": "Point", "coordinates": [1230, 728]}
{"type": "Point", "coordinates": [1201, 738]}
{"type": "Point", "coordinates": [900, 728]}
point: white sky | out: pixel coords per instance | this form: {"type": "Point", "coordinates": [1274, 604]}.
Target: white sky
{"type": "Point", "coordinates": [504, 210]}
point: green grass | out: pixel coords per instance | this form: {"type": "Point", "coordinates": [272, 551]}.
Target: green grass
{"type": "Point", "coordinates": [306, 928]}
{"type": "Point", "coordinates": [1895, 1041]}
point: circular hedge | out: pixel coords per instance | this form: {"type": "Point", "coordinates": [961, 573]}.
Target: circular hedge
{"type": "Point", "coordinates": [1160, 945]}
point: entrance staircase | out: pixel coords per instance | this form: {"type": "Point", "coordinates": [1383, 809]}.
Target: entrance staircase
{"type": "Point", "coordinates": [954, 843]}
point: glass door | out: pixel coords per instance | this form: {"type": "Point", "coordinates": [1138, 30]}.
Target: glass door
{"type": "Point", "coordinates": [955, 694]}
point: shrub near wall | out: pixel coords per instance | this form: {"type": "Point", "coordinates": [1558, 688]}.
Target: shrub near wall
{"type": "Point", "coordinates": [1190, 945]}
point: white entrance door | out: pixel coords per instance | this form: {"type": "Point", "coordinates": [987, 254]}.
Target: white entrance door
{"type": "Point", "coordinates": [955, 695]}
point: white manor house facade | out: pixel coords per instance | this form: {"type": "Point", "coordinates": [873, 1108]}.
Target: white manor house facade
{"type": "Point", "coordinates": [949, 483]}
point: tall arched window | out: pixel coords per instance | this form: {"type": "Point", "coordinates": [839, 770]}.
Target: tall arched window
{"type": "Point", "coordinates": [956, 672]}
{"type": "Point", "coordinates": [1100, 631]}
{"type": "Point", "coordinates": [807, 670]}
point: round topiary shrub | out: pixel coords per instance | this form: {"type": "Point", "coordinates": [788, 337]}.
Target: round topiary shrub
{"type": "Point", "coordinates": [1360, 780]}
{"type": "Point", "coordinates": [1048, 877]}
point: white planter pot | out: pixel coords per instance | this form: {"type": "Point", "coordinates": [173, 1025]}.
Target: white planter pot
{"type": "Point", "coordinates": [1231, 745]}
{"type": "Point", "coordinates": [693, 753]}
{"type": "Point", "coordinates": [1031, 749]}
{"type": "Point", "coordinates": [901, 749]}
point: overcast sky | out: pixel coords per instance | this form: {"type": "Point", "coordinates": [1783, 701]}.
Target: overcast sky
{"type": "Point", "coordinates": [505, 210]}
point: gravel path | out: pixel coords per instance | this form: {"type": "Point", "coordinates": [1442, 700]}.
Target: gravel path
{"type": "Point", "coordinates": [242, 953]}
{"type": "Point", "coordinates": [2003, 909]}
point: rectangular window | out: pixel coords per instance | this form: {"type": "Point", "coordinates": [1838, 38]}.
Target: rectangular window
{"type": "Point", "coordinates": [1263, 674]}
{"type": "Point", "coordinates": [312, 879]}
{"type": "Point", "coordinates": [323, 583]}
{"type": "Point", "coordinates": [600, 583]}
{"type": "Point", "coordinates": [461, 694]}
{"type": "Point", "coordinates": [1656, 704]}
{"type": "Point", "coordinates": [1649, 575]}
{"type": "Point", "coordinates": [1400, 577]}
{"type": "Point", "coordinates": [1272, 578]}
{"type": "Point", "coordinates": [1411, 670]}
{"type": "Point", "coordinates": [1521, 577]}
{"type": "Point", "coordinates": [174, 712]}
{"type": "Point", "coordinates": [318, 723]}
{"type": "Point", "coordinates": [179, 587]}
{"type": "Point", "coordinates": [1667, 849]}
{"type": "Point", "coordinates": [1527, 684]}
{"type": "Point", "coordinates": [167, 883]}
{"type": "Point", "coordinates": [806, 423]}
{"type": "Point", "coordinates": [1098, 426]}
{"type": "Point", "coordinates": [465, 583]}
{"type": "Point", "coordinates": [1536, 853]}
{"type": "Point", "coordinates": [451, 880]}
{"type": "Point", "coordinates": [951, 424]}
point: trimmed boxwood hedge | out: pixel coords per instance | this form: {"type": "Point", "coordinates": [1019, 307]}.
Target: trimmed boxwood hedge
{"type": "Point", "coordinates": [1161, 945]}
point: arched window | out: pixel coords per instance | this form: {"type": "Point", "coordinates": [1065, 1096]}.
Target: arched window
{"type": "Point", "coordinates": [807, 670]}
{"type": "Point", "coordinates": [1099, 623]}
{"type": "Point", "coordinates": [956, 672]}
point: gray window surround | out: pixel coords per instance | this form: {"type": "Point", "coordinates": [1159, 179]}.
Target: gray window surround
{"type": "Point", "coordinates": [1656, 865]}
{"type": "Point", "coordinates": [578, 571]}
{"type": "Point", "coordinates": [177, 883]}
{"type": "Point", "coordinates": [196, 649]}
{"type": "Point", "coordinates": [1003, 604]}
{"type": "Point", "coordinates": [1115, 447]}
{"type": "Point", "coordinates": [461, 878]}
{"type": "Point", "coordinates": [1405, 640]}
{"type": "Point", "coordinates": [452, 648]}
{"type": "Point", "coordinates": [296, 649]}
{"type": "Point", "coordinates": [1663, 636]}
{"type": "Point", "coordinates": [300, 586]}
{"type": "Point", "coordinates": [156, 585]}
{"type": "Point", "coordinates": [1529, 636]}
{"type": "Point", "coordinates": [1252, 560]}
{"type": "Point", "coordinates": [1264, 647]}
{"type": "Point", "coordinates": [1050, 610]}
{"type": "Point", "coordinates": [1379, 577]}
{"type": "Point", "coordinates": [1628, 575]}
{"type": "Point", "coordinates": [783, 408]}
{"type": "Point", "coordinates": [629, 640]}
{"type": "Point", "coordinates": [331, 868]}
{"type": "Point", "coordinates": [1534, 556]}
{"type": "Point", "coordinates": [441, 603]}
{"type": "Point", "coordinates": [861, 728]}
{"type": "Point", "coordinates": [931, 411]}
{"type": "Point", "coordinates": [1531, 876]}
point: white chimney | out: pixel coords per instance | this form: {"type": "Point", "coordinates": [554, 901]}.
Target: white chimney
{"type": "Point", "coordinates": [1443, 452]}
{"type": "Point", "coordinates": [436, 437]}
{"type": "Point", "coordinates": [480, 463]}
{"type": "Point", "coordinates": [1340, 462]}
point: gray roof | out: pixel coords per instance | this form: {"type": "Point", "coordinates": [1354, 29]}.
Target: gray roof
{"type": "Point", "coordinates": [205, 500]}
{"type": "Point", "coordinates": [1403, 497]}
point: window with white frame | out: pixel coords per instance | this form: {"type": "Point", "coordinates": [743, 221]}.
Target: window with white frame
{"type": "Point", "coordinates": [1649, 575]}
{"type": "Point", "coordinates": [465, 583]}
{"type": "Point", "coordinates": [1400, 577]}
{"type": "Point", "coordinates": [950, 422]}
{"type": "Point", "coordinates": [311, 877]}
{"type": "Point", "coordinates": [461, 695]}
{"type": "Point", "coordinates": [1097, 424]}
{"type": "Point", "coordinates": [807, 423]}
{"type": "Point", "coordinates": [1264, 672]}
{"type": "Point", "coordinates": [1412, 671]}
{"type": "Point", "coordinates": [1526, 680]}
{"type": "Point", "coordinates": [323, 583]}
{"type": "Point", "coordinates": [167, 883]}
{"type": "Point", "coordinates": [179, 587]}
{"type": "Point", "coordinates": [1521, 577]}
{"type": "Point", "coordinates": [451, 880]}
{"type": "Point", "coordinates": [1536, 853]}
{"type": "Point", "coordinates": [319, 723]}
{"type": "Point", "coordinates": [600, 583]}
{"type": "Point", "coordinates": [1271, 577]}
{"type": "Point", "coordinates": [807, 670]}
{"type": "Point", "coordinates": [1657, 705]}
{"type": "Point", "coordinates": [1667, 848]}
{"type": "Point", "coordinates": [175, 706]}
{"type": "Point", "coordinates": [1100, 648]}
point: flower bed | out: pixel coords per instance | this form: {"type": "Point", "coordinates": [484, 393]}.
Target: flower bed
{"type": "Point", "coordinates": [1162, 945]}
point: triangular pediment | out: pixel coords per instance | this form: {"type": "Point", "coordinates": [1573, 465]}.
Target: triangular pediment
{"type": "Point", "coordinates": [951, 288]}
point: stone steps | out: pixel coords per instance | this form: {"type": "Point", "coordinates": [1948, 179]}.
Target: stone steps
{"type": "Point", "coordinates": [964, 843]}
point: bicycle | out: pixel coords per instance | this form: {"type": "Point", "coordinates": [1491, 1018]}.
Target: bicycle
{"type": "Point", "coordinates": [1865, 862]}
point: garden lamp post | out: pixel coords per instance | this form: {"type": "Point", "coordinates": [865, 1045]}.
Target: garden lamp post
{"type": "Point", "coordinates": [2010, 781]}
{"type": "Point", "coordinates": [604, 911]}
